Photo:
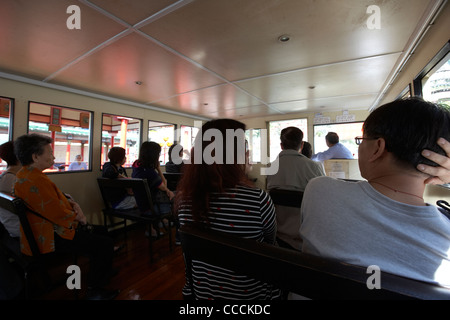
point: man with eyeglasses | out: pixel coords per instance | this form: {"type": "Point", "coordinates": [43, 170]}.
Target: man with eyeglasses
{"type": "Point", "coordinates": [385, 221]}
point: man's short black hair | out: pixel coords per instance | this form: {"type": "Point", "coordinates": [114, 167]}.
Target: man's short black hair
{"type": "Point", "coordinates": [332, 137]}
{"type": "Point", "coordinates": [291, 138]}
{"type": "Point", "coordinates": [409, 126]}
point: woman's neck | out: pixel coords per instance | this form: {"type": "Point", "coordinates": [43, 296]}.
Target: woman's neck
{"type": "Point", "coordinates": [14, 169]}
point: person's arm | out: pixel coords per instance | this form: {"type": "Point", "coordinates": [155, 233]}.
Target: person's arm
{"type": "Point", "coordinates": [45, 198]}
{"type": "Point", "coordinates": [160, 173]}
{"type": "Point", "coordinates": [269, 223]}
{"type": "Point", "coordinates": [322, 156]}
{"type": "Point", "coordinates": [80, 217]}
{"type": "Point", "coordinates": [441, 174]}
{"type": "Point", "coordinates": [163, 187]}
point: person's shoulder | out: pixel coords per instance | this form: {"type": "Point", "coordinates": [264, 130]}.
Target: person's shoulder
{"type": "Point", "coordinates": [322, 182]}
{"type": "Point", "coordinates": [251, 191]}
{"type": "Point", "coordinates": [106, 166]}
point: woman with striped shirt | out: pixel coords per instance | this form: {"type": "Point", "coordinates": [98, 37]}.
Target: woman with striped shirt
{"type": "Point", "coordinates": [219, 195]}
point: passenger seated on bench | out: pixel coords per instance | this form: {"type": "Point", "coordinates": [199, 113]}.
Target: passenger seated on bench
{"type": "Point", "coordinates": [56, 229]}
{"type": "Point", "coordinates": [221, 197]}
{"type": "Point", "coordinates": [147, 167]}
{"type": "Point", "coordinates": [385, 221]}
{"type": "Point", "coordinates": [171, 167]}
{"type": "Point", "coordinates": [120, 198]}
{"type": "Point", "coordinates": [7, 180]}
{"type": "Point", "coordinates": [294, 172]}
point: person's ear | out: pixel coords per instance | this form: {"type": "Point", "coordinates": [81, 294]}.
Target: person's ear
{"type": "Point", "coordinates": [377, 149]}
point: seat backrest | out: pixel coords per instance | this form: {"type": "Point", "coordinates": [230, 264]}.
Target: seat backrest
{"type": "Point", "coordinates": [137, 185]}
{"type": "Point", "coordinates": [288, 198]}
{"type": "Point", "coordinates": [17, 206]}
{"type": "Point", "coordinates": [172, 180]}
{"type": "Point", "coordinates": [310, 276]}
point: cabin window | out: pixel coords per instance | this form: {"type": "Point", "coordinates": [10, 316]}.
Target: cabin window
{"type": "Point", "coordinates": [436, 84]}
{"type": "Point", "coordinates": [275, 128]}
{"type": "Point", "coordinates": [187, 138]}
{"type": "Point", "coordinates": [346, 132]}
{"type": "Point", "coordinates": [121, 131]}
{"type": "Point", "coordinates": [70, 130]}
{"type": "Point", "coordinates": [6, 120]}
{"type": "Point", "coordinates": [253, 137]}
{"type": "Point", "coordinates": [164, 134]}
{"type": "Point", "coordinates": [433, 82]}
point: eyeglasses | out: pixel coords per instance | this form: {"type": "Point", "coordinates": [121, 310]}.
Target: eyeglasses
{"type": "Point", "coordinates": [359, 140]}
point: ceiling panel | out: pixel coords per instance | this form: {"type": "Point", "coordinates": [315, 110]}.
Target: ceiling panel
{"type": "Point", "coordinates": [239, 39]}
{"type": "Point", "coordinates": [116, 68]}
{"type": "Point", "coordinates": [133, 11]}
{"type": "Point", "coordinates": [335, 103]}
{"type": "Point", "coordinates": [360, 76]}
{"type": "Point", "coordinates": [218, 58]}
{"type": "Point", "coordinates": [36, 42]}
{"type": "Point", "coordinates": [212, 100]}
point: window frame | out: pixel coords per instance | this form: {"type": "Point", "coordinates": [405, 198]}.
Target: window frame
{"type": "Point", "coordinates": [141, 123]}
{"type": "Point", "coordinates": [417, 82]}
{"type": "Point", "coordinates": [336, 123]}
{"type": "Point", "coordinates": [305, 136]}
{"type": "Point", "coordinates": [11, 118]}
{"type": "Point", "coordinates": [91, 133]}
{"type": "Point", "coordinates": [175, 138]}
{"type": "Point", "coordinates": [407, 90]}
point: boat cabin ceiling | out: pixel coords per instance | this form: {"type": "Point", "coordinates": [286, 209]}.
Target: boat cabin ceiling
{"type": "Point", "coordinates": [216, 58]}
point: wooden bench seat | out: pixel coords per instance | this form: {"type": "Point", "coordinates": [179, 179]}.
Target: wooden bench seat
{"type": "Point", "coordinates": [306, 275]}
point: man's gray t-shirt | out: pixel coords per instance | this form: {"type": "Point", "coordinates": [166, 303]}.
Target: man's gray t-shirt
{"type": "Point", "coordinates": [355, 223]}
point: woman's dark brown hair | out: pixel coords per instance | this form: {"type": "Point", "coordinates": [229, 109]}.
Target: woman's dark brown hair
{"type": "Point", "coordinates": [149, 154]}
{"type": "Point", "coordinates": [116, 154]}
{"type": "Point", "coordinates": [201, 180]}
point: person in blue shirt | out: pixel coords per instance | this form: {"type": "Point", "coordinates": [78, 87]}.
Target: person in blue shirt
{"type": "Point", "coordinates": [336, 150]}
{"type": "Point", "coordinates": [78, 164]}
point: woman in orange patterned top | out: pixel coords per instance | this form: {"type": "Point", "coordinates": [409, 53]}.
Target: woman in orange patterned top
{"type": "Point", "coordinates": [57, 229]}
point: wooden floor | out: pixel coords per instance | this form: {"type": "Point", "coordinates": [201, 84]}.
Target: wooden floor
{"type": "Point", "coordinates": [138, 277]}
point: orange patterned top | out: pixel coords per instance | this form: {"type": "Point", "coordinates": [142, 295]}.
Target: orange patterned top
{"type": "Point", "coordinates": [44, 197]}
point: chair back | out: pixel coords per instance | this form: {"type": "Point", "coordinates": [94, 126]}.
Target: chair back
{"type": "Point", "coordinates": [288, 198]}
{"type": "Point", "coordinates": [18, 207]}
{"type": "Point", "coordinates": [172, 180]}
{"type": "Point", "coordinates": [137, 185]}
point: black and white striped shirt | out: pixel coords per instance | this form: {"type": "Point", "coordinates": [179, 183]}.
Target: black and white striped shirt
{"type": "Point", "coordinates": [247, 213]}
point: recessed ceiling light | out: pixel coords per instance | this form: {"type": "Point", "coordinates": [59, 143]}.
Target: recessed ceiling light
{"type": "Point", "coordinates": [284, 38]}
